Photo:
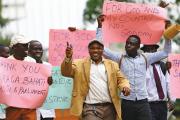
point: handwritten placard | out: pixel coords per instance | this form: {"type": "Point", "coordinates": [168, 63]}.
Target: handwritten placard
{"type": "Point", "coordinates": [58, 41]}
{"type": "Point", "coordinates": [174, 75]}
{"type": "Point", "coordinates": [125, 19]}
{"type": "Point", "coordinates": [59, 95]}
{"type": "Point", "coordinates": [23, 84]}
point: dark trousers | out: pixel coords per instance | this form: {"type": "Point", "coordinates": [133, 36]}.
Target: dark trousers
{"type": "Point", "coordinates": [46, 118]}
{"type": "Point", "coordinates": [136, 110]}
{"type": "Point", "coordinates": [158, 110]}
{"type": "Point", "coordinates": [99, 112]}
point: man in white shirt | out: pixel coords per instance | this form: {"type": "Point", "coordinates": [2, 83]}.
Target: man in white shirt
{"type": "Point", "coordinates": [36, 51]}
{"type": "Point", "coordinates": [157, 82]}
{"type": "Point", "coordinates": [96, 83]}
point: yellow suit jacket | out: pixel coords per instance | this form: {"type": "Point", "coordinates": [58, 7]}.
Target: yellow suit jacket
{"type": "Point", "coordinates": [79, 70]}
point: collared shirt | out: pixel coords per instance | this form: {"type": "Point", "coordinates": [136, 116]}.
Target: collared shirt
{"type": "Point", "coordinates": [135, 68]}
{"type": "Point", "coordinates": [151, 84]}
{"type": "Point", "coordinates": [98, 90]}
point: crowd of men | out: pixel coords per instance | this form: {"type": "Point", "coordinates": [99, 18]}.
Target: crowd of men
{"type": "Point", "coordinates": [108, 85]}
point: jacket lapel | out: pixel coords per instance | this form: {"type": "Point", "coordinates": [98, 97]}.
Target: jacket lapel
{"type": "Point", "coordinates": [108, 69]}
{"type": "Point", "coordinates": [86, 67]}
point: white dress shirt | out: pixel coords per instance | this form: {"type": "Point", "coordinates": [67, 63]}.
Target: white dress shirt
{"type": "Point", "coordinates": [151, 84]}
{"type": "Point", "coordinates": [98, 88]}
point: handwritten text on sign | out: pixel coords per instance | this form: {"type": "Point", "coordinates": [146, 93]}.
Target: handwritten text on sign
{"type": "Point", "coordinates": [58, 42]}
{"type": "Point", "coordinates": [125, 19]}
{"type": "Point", "coordinates": [23, 84]}
{"type": "Point", "coordinates": [175, 75]}
{"type": "Point", "coordinates": [59, 95]}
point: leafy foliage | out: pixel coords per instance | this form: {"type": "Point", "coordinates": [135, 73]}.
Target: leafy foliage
{"type": "Point", "coordinates": [93, 9]}
{"type": "Point", "coordinates": [3, 22]}
{"type": "Point", "coordinates": [5, 40]}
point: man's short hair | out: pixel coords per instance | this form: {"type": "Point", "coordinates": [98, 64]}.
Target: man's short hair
{"type": "Point", "coordinates": [137, 37]}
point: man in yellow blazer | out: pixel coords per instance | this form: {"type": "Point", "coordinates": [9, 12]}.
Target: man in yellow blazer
{"type": "Point", "coordinates": [96, 82]}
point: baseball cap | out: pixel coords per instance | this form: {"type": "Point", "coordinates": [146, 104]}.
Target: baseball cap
{"type": "Point", "coordinates": [95, 41]}
{"type": "Point", "coordinates": [18, 39]}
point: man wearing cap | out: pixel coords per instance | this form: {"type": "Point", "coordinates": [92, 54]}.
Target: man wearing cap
{"type": "Point", "coordinates": [19, 45]}
{"type": "Point", "coordinates": [157, 82]}
{"type": "Point", "coordinates": [96, 83]}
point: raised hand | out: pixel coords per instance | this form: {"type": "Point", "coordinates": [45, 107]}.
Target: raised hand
{"type": "Point", "coordinates": [72, 29]}
{"type": "Point", "coordinates": [69, 50]}
{"type": "Point", "coordinates": [167, 24]}
{"type": "Point", "coordinates": [163, 4]}
{"type": "Point", "coordinates": [100, 19]}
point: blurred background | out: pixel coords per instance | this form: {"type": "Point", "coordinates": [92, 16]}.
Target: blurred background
{"type": "Point", "coordinates": [34, 18]}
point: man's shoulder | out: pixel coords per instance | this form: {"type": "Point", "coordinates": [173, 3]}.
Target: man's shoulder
{"type": "Point", "coordinates": [11, 57]}
{"type": "Point", "coordinates": [46, 63]}
{"type": "Point", "coordinates": [81, 60]}
{"type": "Point", "coordinates": [29, 59]}
{"type": "Point", "coordinates": [110, 61]}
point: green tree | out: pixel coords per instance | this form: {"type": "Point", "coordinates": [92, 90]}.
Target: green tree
{"type": "Point", "coordinates": [3, 21]}
{"type": "Point", "coordinates": [4, 39]}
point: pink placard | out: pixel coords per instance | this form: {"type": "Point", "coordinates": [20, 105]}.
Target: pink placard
{"type": "Point", "coordinates": [58, 40]}
{"type": "Point", "coordinates": [175, 75]}
{"type": "Point", "coordinates": [125, 19]}
{"type": "Point", "coordinates": [23, 84]}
